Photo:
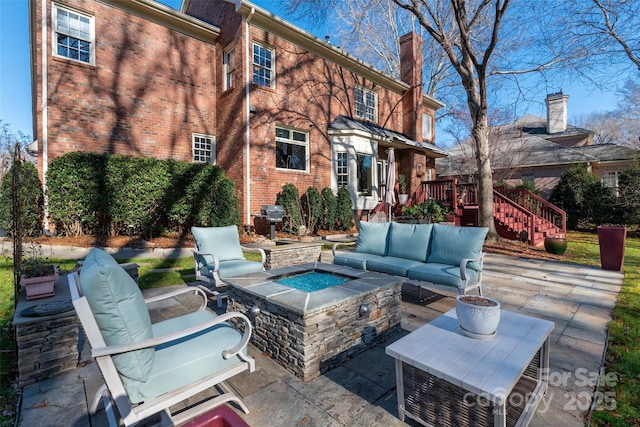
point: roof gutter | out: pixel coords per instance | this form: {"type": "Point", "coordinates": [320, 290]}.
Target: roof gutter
{"type": "Point", "coordinates": [281, 28]}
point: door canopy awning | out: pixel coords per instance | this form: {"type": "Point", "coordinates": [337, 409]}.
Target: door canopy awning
{"type": "Point", "coordinates": [344, 125]}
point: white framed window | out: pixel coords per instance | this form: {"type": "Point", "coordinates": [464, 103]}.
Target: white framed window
{"type": "Point", "coordinates": [342, 169]}
{"type": "Point", "coordinates": [73, 35]}
{"type": "Point", "coordinates": [292, 149]}
{"type": "Point", "coordinates": [364, 174]}
{"type": "Point", "coordinates": [204, 148]}
{"type": "Point", "coordinates": [228, 68]}
{"type": "Point", "coordinates": [610, 180]}
{"type": "Point", "coordinates": [427, 126]}
{"type": "Point", "coordinates": [263, 65]}
{"type": "Point", "coordinates": [366, 104]}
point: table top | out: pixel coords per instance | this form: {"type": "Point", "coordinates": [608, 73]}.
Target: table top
{"type": "Point", "coordinates": [489, 367]}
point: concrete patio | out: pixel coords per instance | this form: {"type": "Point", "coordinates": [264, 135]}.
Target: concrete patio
{"type": "Point", "coordinates": [578, 299]}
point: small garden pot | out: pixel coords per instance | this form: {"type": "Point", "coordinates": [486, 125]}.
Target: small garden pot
{"type": "Point", "coordinates": [555, 245]}
{"type": "Point", "coordinates": [39, 286]}
{"type": "Point", "coordinates": [478, 316]}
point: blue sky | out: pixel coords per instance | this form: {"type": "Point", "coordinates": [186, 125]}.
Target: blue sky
{"type": "Point", "coordinates": [15, 83]}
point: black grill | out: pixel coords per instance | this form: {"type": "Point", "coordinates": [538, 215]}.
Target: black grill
{"type": "Point", "coordinates": [273, 213]}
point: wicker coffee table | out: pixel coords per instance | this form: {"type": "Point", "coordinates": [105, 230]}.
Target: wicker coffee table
{"type": "Point", "coordinates": [446, 378]}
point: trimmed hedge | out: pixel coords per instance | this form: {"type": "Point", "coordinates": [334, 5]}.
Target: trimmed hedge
{"type": "Point", "coordinates": [99, 194]}
{"type": "Point", "coordinates": [31, 198]}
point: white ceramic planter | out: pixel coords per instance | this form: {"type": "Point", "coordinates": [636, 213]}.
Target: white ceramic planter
{"type": "Point", "coordinates": [478, 320]}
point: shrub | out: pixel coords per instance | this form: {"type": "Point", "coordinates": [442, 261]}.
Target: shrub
{"type": "Point", "coordinates": [344, 209]}
{"type": "Point", "coordinates": [330, 208]}
{"type": "Point", "coordinates": [31, 198]}
{"type": "Point", "coordinates": [112, 194]}
{"type": "Point", "coordinates": [313, 209]}
{"type": "Point", "coordinates": [429, 211]}
{"type": "Point", "coordinates": [629, 190]}
{"type": "Point", "coordinates": [289, 198]}
{"type": "Point", "coordinates": [571, 193]}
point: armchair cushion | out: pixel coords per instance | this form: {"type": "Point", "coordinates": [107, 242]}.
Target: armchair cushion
{"type": "Point", "coordinates": [224, 242]}
{"type": "Point", "coordinates": [450, 245]}
{"type": "Point", "coordinates": [119, 310]}
{"type": "Point", "coordinates": [187, 360]}
{"type": "Point", "coordinates": [233, 268]}
{"type": "Point", "coordinates": [409, 241]}
{"type": "Point", "coordinates": [372, 238]}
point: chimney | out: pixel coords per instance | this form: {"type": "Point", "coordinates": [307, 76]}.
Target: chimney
{"type": "Point", "coordinates": [556, 112]}
{"type": "Point", "coordinates": [411, 74]}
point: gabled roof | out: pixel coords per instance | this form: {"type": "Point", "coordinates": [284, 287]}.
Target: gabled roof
{"type": "Point", "coordinates": [344, 124]}
{"type": "Point", "coordinates": [525, 144]}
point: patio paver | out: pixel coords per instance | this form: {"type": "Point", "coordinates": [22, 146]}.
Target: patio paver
{"type": "Point", "coordinates": [361, 392]}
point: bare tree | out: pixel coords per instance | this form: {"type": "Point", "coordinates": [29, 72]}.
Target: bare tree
{"type": "Point", "coordinates": [8, 140]}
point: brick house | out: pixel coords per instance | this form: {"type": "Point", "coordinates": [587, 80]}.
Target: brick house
{"type": "Point", "coordinates": [228, 83]}
{"type": "Point", "coordinates": [539, 150]}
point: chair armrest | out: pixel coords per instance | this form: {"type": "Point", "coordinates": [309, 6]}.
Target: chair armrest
{"type": "Point", "coordinates": [197, 253]}
{"type": "Point", "coordinates": [156, 341]}
{"type": "Point", "coordinates": [335, 246]}
{"type": "Point", "coordinates": [198, 290]}
{"type": "Point", "coordinates": [464, 262]}
{"type": "Point", "coordinates": [263, 255]}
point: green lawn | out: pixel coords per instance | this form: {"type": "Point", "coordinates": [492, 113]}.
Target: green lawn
{"type": "Point", "coordinates": [622, 358]}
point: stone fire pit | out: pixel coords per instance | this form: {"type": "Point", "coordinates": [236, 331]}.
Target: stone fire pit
{"type": "Point", "coordinates": [309, 333]}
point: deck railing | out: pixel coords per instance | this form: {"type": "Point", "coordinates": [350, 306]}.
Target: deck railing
{"type": "Point", "coordinates": [536, 204]}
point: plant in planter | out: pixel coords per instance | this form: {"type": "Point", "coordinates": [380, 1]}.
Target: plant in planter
{"type": "Point", "coordinates": [402, 188]}
{"type": "Point", "coordinates": [38, 277]}
{"type": "Point", "coordinates": [429, 211]}
{"type": "Point", "coordinates": [478, 316]}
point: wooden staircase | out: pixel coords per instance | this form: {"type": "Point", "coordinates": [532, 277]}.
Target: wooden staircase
{"type": "Point", "coordinates": [518, 214]}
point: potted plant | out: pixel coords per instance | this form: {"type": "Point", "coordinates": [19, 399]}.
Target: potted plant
{"type": "Point", "coordinates": [478, 316]}
{"type": "Point", "coordinates": [555, 244]}
{"type": "Point", "coordinates": [403, 197]}
{"type": "Point", "coordinates": [38, 277]}
{"type": "Point", "coordinates": [611, 241]}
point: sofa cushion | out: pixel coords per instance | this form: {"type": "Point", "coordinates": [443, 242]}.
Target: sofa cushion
{"type": "Point", "coordinates": [223, 242]}
{"type": "Point", "coordinates": [441, 274]}
{"type": "Point", "coordinates": [120, 311]}
{"type": "Point", "coordinates": [409, 241]}
{"type": "Point", "coordinates": [392, 265]}
{"type": "Point", "coordinates": [187, 360]}
{"type": "Point", "coordinates": [450, 245]}
{"type": "Point", "coordinates": [372, 238]}
{"type": "Point", "coordinates": [353, 259]}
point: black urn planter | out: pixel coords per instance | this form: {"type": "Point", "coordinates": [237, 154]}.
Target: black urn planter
{"type": "Point", "coordinates": [555, 245]}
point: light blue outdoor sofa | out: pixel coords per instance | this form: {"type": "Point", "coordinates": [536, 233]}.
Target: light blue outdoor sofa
{"type": "Point", "coordinates": [438, 254]}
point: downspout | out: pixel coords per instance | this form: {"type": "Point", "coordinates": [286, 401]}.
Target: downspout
{"type": "Point", "coordinates": [45, 120]}
{"type": "Point", "coordinates": [247, 141]}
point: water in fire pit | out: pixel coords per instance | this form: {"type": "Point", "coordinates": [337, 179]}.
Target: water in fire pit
{"type": "Point", "coordinates": [313, 281]}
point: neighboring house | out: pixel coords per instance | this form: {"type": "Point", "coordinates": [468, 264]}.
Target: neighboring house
{"type": "Point", "coordinates": [226, 83]}
{"type": "Point", "coordinates": [538, 151]}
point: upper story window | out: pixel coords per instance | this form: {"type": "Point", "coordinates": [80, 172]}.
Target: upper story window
{"type": "Point", "coordinates": [204, 148]}
{"type": "Point", "coordinates": [228, 66]}
{"type": "Point", "coordinates": [74, 35]}
{"type": "Point", "coordinates": [366, 104]}
{"type": "Point", "coordinates": [292, 149]}
{"type": "Point", "coordinates": [263, 71]}
{"type": "Point", "coordinates": [427, 126]}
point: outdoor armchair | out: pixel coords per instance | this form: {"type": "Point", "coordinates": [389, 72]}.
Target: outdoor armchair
{"type": "Point", "coordinates": [148, 368]}
{"type": "Point", "coordinates": [218, 255]}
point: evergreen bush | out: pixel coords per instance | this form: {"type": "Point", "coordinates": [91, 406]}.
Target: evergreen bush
{"type": "Point", "coordinates": [344, 209]}
{"type": "Point", "coordinates": [629, 199]}
{"type": "Point", "coordinates": [330, 208]}
{"type": "Point", "coordinates": [429, 211]}
{"type": "Point", "coordinates": [313, 209]}
{"type": "Point", "coordinates": [31, 198]}
{"type": "Point", "coordinates": [571, 194]}
{"type": "Point", "coordinates": [289, 199]}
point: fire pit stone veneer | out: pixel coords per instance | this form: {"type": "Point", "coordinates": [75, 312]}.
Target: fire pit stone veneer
{"type": "Point", "coordinates": [310, 333]}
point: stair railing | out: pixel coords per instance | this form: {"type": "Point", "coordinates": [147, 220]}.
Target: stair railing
{"type": "Point", "coordinates": [536, 204]}
{"type": "Point", "coordinates": [507, 211]}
